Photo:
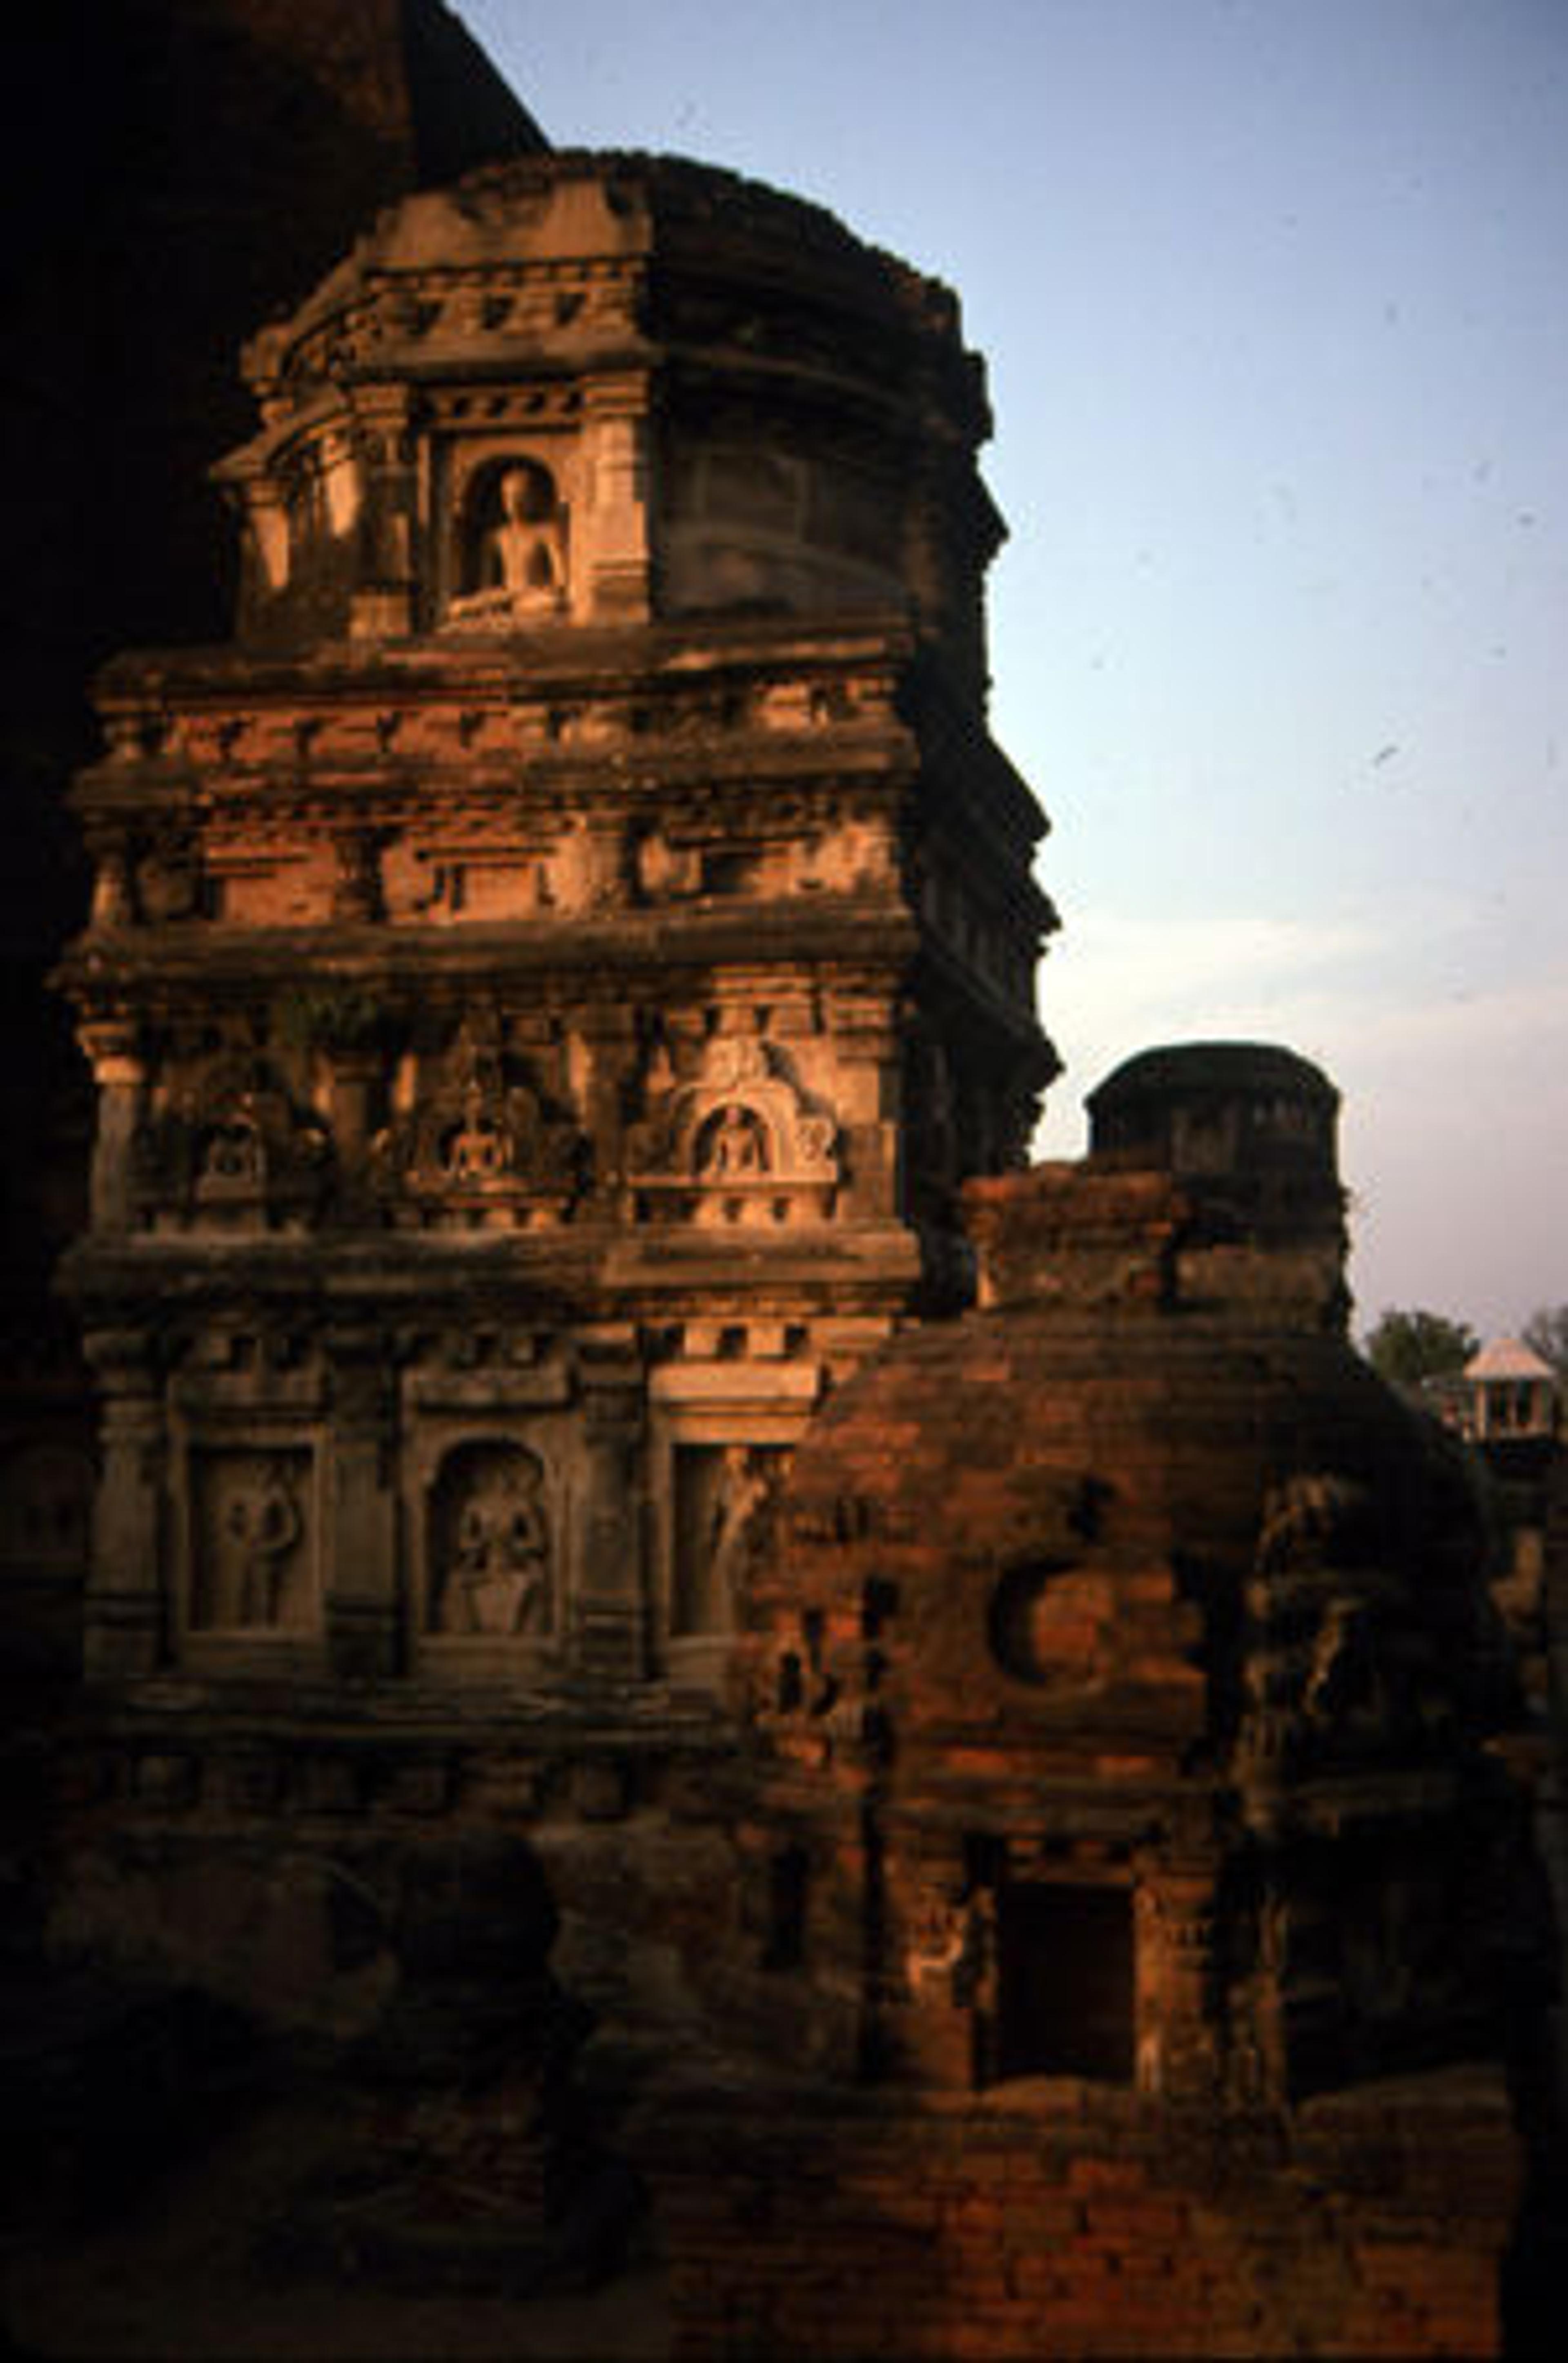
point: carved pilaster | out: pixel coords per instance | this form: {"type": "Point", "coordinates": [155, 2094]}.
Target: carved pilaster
{"type": "Point", "coordinates": [383, 457]}
{"type": "Point", "coordinates": [113, 1049]}
{"type": "Point", "coordinates": [608, 1593]}
{"type": "Point", "coordinates": [869, 1053]}
{"type": "Point", "coordinates": [363, 1603]}
{"type": "Point", "coordinates": [616, 527]}
{"type": "Point", "coordinates": [125, 1610]}
{"type": "Point", "coordinates": [357, 1082]}
{"type": "Point", "coordinates": [605, 1055]}
{"type": "Point", "coordinates": [1179, 2044]}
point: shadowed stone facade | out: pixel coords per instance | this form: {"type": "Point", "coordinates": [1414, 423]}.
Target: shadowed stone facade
{"type": "Point", "coordinates": [608, 1474]}
{"type": "Point", "coordinates": [175, 170]}
{"type": "Point", "coordinates": [547, 977]}
{"type": "Point", "coordinates": [547, 980]}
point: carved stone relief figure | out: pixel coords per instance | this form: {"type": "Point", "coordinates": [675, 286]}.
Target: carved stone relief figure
{"type": "Point", "coordinates": [228, 1145]}
{"type": "Point", "coordinates": [719, 1490]}
{"type": "Point", "coordinates": [476, 1150]}
{"type": "Point", "coordinates": [666, 871]}
{"type": "Point", "coordinates": [169, 883]}
{"type": "Point", "coordinates": [1322, 1592]}
{"type": "Point", "coordinates": [736, 1141]}
{"type": "Point", "coordinates": [745, 1480]}
{"type": "Point", "coordinates": [584, 870]}
{"type": "Point", "coordinates": [489, 1544]}
{"type": "Point", "coordinates": [252, 1571]}
{"type": "Point", "coordinates": [230, 1159]}
{"type": "Point", "coordinates": [945, 1957]}
{"type": "Point", "coordinates": [479, 1144]}
{"type": "Point", "coordinates": [732, 1142]}
{"type": "Point", "coordinates": [515, 565]}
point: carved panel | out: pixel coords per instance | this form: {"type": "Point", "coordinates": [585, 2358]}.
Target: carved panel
{"type": "Point", "coordinates": [467, 879]}
{"type": "Point", "coordinates": [720, 1490]}
{"type": "Point", "coordinates": [230, 1147]}
{"type": "Point", "coordinates": [253, 1556]}
{"type": "Point", "coordinates": [480, 1148]}
{"type": "Point", "coordinates": [1317, 1681]}
{"type": "Point", "coordinates": [737, 1143]}
{"type": "Point", "coordinates": [492, 1554]}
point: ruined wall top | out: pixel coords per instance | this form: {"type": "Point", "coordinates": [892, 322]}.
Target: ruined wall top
{"type": "Point", "coordinates": [1133, 1610]}
{"type": "Point", "coordinates": [579, 205]}
{"type": "Point", "coordinates": [1217, 1107]}
{"type": "Point", "coordinates": [607, 388]}
{"type": "Point", "coordinates": [1211, 1184]}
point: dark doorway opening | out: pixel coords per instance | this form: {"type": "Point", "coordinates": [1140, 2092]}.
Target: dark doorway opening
{"type": "Point", "coordinates": [1064, 1976]}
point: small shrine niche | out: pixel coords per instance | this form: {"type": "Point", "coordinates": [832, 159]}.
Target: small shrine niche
{"type": "Point", "coordinates": [509, 554]}
{"type": "Point", "coordinates": [252, 1570]}
{"type": "Point", "coordinates": [231, 1148]}
{"type": "Point", "coordinates": [739, 1142]}
{"type": "Point", "coordinates": [733, 1144]}
{"type": "Point", "coordinates": [479, 1149]}
{"type": "Point", "coordinates": [490, 1552]}
{"type": "Point", "coordinates": [719, 1488]}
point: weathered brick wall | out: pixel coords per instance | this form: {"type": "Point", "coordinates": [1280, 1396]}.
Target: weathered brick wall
{"type": "Point", "coordinates": [1382, 2233]}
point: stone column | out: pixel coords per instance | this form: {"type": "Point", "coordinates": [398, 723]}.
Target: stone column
{"type": "Point", "coordinates": [604, 1061]}
{"type": "Point", "coordinates": [355, 1086]}
{"type": "Point", "coordinates": [113, 1047]}
{"type": "Point", "coordinates": [609, 1606]}
{"type": "Point", "coordinates": [360, 1577]}
{"type": "Point", "coordinates": [125, 1609]}
{"type": "Point", "coordinates": [383, 457]}
{"type": "Point", "coordinates": [1178, 2044]}
{"type": "Point", "coordinates": [614, 555]}
{"type": "Point", "coordinates": [866, 1040]}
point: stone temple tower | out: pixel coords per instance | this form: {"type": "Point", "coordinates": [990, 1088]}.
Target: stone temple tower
{"type": "Point", "coordinates": [548, 974]}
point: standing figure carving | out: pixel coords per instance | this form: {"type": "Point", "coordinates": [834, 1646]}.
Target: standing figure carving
{"type": "Point", "coordinates": [743, 1487]}
{"type": "Point", "coordinates": [252, 1541]}
{"type": "Point", "coordinates": [265, 1524]}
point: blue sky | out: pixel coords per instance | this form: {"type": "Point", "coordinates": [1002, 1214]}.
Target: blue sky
{"type": "Point", "coordinates": [1272, 296]}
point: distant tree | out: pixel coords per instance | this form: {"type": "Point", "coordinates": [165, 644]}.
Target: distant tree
{"type": "Point", "coordinates": [1409, 1348]}
{"type": "Point", "coordinates": [1547, 1332]}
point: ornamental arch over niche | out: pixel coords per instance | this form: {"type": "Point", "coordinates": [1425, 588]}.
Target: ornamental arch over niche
{"type": "Point", "coordinates": [736, 1142]}
{"type": "Point", "coordinates": [491, 1546]}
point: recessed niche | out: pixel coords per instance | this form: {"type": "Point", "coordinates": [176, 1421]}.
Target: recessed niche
{"type": "Point", "coordinates": [1039, 1631]}
{"type": "Point", "coordinates": [787, 1875]}
{"type": "Point", "coordinates": [1064, 1981]}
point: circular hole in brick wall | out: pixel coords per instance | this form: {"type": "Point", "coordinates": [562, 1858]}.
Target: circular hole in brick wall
{"type": "Point", "coordinates": [1039, 1624]}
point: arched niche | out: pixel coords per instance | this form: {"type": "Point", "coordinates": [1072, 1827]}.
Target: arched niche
{"type": "Point", "coordinates": [509, 559]}
{"type": "Point", "coordinates": [491, 1550]}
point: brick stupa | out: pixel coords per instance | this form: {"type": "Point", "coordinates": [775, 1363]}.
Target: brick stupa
{"type": "Point", "coordinates": [1137, 1903]}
